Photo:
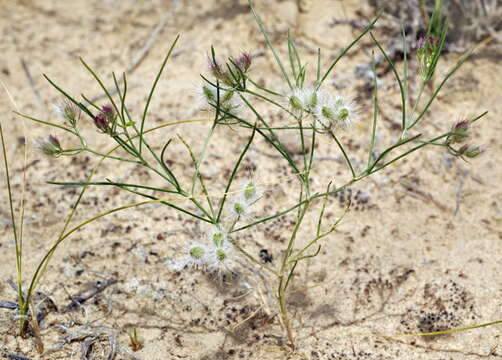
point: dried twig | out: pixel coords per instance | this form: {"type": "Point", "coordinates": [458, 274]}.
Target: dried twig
{"type": "Point", "coordinates": [14, 357]}
{"type": "Point", "coordinates": [140, 56]}
{"type": "Point", "coordinates": [96, 288]}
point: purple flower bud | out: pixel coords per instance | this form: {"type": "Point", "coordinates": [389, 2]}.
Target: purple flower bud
{"type": "Point", "coordinates": [54, 141]}
{"type": "Point", "coordinates": [214, 66]}
{"type": "Point", "coordinates": [104, 118]}
{"type": "Point", "coordinates": [470, 151]}
{"type": "Point", "coordinates": [216, 71]}
{"type": "Point", "coordinates": [49, 146]}
{"type": "Point", "coordinates": [101, 122]}
{"type": "Point", "coordinates": [421, 42]}
{"type": "Point", "coordinates": [107, 109]}
{"type": "Point", "coordinates": [244, 61]}
{"type": "Point", "coordinates": [459, 132]}
{"type": "Point", "coordinates": [461, 125]}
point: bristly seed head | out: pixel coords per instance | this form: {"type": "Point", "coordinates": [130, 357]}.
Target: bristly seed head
{"type": "Point", "coordinates": [217, 236]}
{"type": "Point", "coordinates": [221, 255]}
{"type": "Point", "coordinates": [249, 191]}
{"type": "Point", "coordinates": [332, 113]}
{"type": "Point", "coordinates": [68, 111]}
{"type": "Point", "coordinates": [459, 132]}
{"type": "Point", "coordinates": [244, 61]}
{"type": "Point", "coordinates": [224, 98]}
{"type": "Point", "coordinates": [239, 208]}
{"type": "Point", "coordinates": [470, 151]}
{"type": "Point", "coordinates": [303, 99]}
{"type": "Point", "coordinates": [49, 146]}
{"type": "Point", "coordinates": [220, 258]}
{"type": "Point", "coordinates": [197, 252]}
{"type": "Point", "coordinates": [196, 255]}
{"type": "Point", "coordinates": [218, 239]}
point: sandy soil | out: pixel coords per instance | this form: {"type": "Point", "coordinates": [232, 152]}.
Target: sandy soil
{"type": "Point", "coordinates": [421, 253]}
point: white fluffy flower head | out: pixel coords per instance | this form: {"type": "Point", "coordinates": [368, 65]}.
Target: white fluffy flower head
{"type": "Point", "coordinates": [333, 112]}
{"type": "Point", "coordinates": [251, 193]}
{"type": "Point", "coordinates": [303, 99]}
{"type": "Point", "coordinates": [217, 236]}
{"type": "Point", "coordinates": [67, 111]}
{"type": "Point", "coordinates": [240, 205]}
{"type": "Point", "coordinates": [209, 96]}
{"type": "Point", "coordinates": [220, 257]}
{"type": "Point", "coordinates": [196, 255]}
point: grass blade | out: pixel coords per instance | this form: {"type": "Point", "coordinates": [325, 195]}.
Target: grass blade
{"type": "Point", "coordinates": [145, 112]}
{"type": "Point", "coordinates": [269, 43]}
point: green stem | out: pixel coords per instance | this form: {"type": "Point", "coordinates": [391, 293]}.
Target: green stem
{"type": "Point", "coordinates": [349, 163]}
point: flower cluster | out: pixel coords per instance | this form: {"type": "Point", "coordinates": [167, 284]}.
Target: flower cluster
{"type": "Point", "coordinates": [213, 254]}
{"type": "Point", "coordinates": [240, 205]}
{"type": "Point", "coordinates": [105, 119]}
{"type": "Point", "coordinates": [329, 112]}
{"type": "Point", "coordinates": [68, 111]}
{"type": "Point", "coordinates": [49, 146]}
{"type": "Point", "coordinates": [235, 71]}
{"type": "Point", "coordinates": [217, 97]}
{"type": "Point", "coordinates": [427, 48]}
{"type": "Point", "coordinates": [228, 79]}
{"type": "Point", "coordinates": [460, 134]}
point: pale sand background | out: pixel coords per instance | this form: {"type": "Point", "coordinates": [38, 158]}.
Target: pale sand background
{"type": "Point", "coordinates": [429, 240]}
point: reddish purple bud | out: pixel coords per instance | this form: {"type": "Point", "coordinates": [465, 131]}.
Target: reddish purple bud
{"type": "Point", "coordinates": [421, 42]}
{"type": "Point", "coordinates": [107, 109]}
{"type": "Point", "coordinates": [461, 125]}
{"type": "Point", "coordinates": [214, 67]}
{"type": "Point", "coordinates": [244, 61]}
{"type": "Point", "coordinates": [459, 132]}
{"type": "Point", "coordinates": [54, 141]}
{"type": "Point", "coordinates": [101, 121]}
{"type": "Point", "coordinates": [49, 146]}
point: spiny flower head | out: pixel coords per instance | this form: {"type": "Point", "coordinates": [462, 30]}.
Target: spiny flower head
{"type": "Point", "coordinates": [217, 236]}
{"type": "Point", "coordinates": [68, 111]}
{"type": "Point", "coordinates": [244, 61]}
{"type": "Point", "coordinates": [196, 255]}
{"type": "Point", "coordinates": [459, 132]}
{"type": "Point", "coordinates": [48, 146]}
{"type": "Point", "coordinates": [470, 151]}
{"type": "Point", "coordinates": [220, 257]}
{"type": "Point", "coordinates": [427, 49]}
{"type": "Point", "coordinates": [303, 99]}
{"type": "Point", "coordinates": [224, 98]}
{"type": "Point", "coordinates": [334, 112]}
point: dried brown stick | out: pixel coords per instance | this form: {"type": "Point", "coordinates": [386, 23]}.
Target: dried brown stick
{"type": "Point", "coordinates": [140, 56]}
{"type": "Point", "coordinates": [97, 288]}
